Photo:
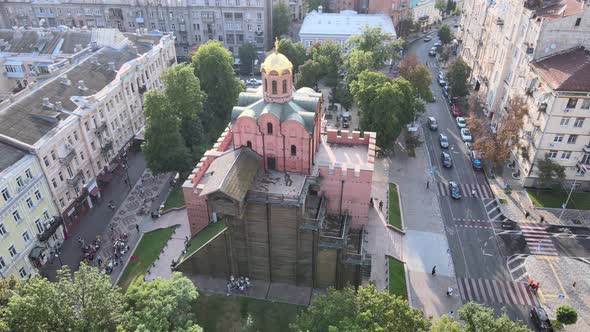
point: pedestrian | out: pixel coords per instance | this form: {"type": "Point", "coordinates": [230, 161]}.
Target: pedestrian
{"type": "Point", "coordinates": [449, 291]}
{"type": "Point", "coordinates": [536, 286]}
{"type": "Point", "coordinates": [531, 283]}
{"type": "Point", "coordinates": [574, 285]}
{"type": "Point", "coordinates": [380, 205]}
{"type": "Point", "coordinates": [473, 192]}
{"type": "Point", "coordinates": [527, 214]}
{"type": "Point", "coordinates": [427, 184]}
{"type": "Point", "coordinates": [137, 227]}
{"type": "Point", "coordinates": [228, 288]}
{"type": "Point", "coordinates": [434, 270]}
{"type": "Point", "coordinates": [542, 219]}
{"type": "Point", "coordinates": [371, 204]}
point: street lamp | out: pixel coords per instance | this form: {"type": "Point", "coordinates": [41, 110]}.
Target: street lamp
{"type": "Point", "coordinates": [564, 205]}
{"type": "Point", "coordinates": [59, 259]}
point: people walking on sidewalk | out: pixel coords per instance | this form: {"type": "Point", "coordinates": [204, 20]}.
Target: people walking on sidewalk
{"type": "Point", "coordinates": [137, 227]}
{"type": "Point", "coordinates": [434, 270]}
{"type": "Point", "coordinates": [381, 205]}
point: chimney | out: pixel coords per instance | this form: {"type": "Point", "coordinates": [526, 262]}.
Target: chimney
{"type": "Point", "coordinates": [112, 66]}
{"type": "Point", "coordinates": [58, 106]}
{"type": "Point", "coordinates": [81, 85]}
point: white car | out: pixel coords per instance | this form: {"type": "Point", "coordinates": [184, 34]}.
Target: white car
{"type": "Point", "coordinates": [466, 135]}
{"type": "Point", "coordinates": [461, 122]}
{"type": "Point", "coordinates": [253, 82]}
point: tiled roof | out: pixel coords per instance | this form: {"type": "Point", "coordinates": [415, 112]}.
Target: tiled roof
{"type": "Point", "coordinates": [566, 71]}
{"type": "Point", "coordinates": [43, 42]}
{"type": "Point", "coordinates": [9, 155]}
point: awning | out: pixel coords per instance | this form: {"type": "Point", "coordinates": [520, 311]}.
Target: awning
{"type": "Point", "coordinates": [13, 63]}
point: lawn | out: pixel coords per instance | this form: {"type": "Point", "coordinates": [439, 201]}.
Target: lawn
{"type": "Point", "coordinates": [554, 199]}
{"type": "Point", "coordinates": [175, 198]}
{"type": "Point", "coordinates": [397, 278]}
{"type": "Point", "coordinates": [395, 218]}
{"type": "Point", "coordinates": [217, 312]}
{"type": "Point", "coordinates": [147, 251]}
{"type": "Point", "coordinates": [206, 234]}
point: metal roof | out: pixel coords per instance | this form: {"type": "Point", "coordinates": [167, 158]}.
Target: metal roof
{"type": "Point", "coordinates": [9, 155]}
{"type": "Point", "coordinates": [345, 23]}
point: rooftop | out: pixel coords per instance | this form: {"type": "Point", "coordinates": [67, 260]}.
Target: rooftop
{"type": "Point", "coordinates": [43, 42]}
{"type": "Point", "coordinates": [566, 71]}
{"type": "Point", "coordinates": [275, 183]}
{"type": "Point", "coordinates": [553, 9]}
{"type": "Point", "coordinates": [9, 155]}
{"type": "Point", "coordinates": [345, 23]}
{"type": "Point", "coordinates": [350, 156]}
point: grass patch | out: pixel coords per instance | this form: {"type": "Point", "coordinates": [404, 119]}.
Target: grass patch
{"type": "Point", "coordinates": [204, 236]}
{"type": "Point", "coordinates": [554, 199]}
{"type": "Point", "coordinates": [175, 198]}
{"type": "Point", "coordinates": [147, 251]}
{"type": "Point", "coordinates": [395, 218]}
{"type": "Point", "coordinates": [503, 201]}
{"type": "Point", "coordinates": [217, 312]}
{"type": "Point", "coordinates": [397, 278]}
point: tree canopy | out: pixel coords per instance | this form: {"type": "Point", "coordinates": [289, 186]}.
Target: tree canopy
{"type": "Point", "coordinates": [247, 54]}
{"type": "Point", "coordinates": [566, 314]}
{"type": "Point", "coordinates": [479, 319]}
{"type": "Point", "coordinates": [364, 310]}
{"type": "Point", "coordinates": [314, 4]}
{"type": "Point", "coordinates": [457, 76]}
{"type": "Point", "coordinates": [441, 6]}
{"type": "Point", "coordinates": [213, 65]}
{"type": "Point", "coordinates": [295, 52]}
{"type": "Point", "coordinates": [549, 172]}
{"type": "Point", "coordinates": [329, 55]}
{"type": "Point", "coordinates": [378, 43]}
{"type": "Point", "coordinates": [281, 18]}
{"type": "Point", "coordinates": [418, 74]}
{"type": "Point", "coordinates": [445, 34]}
{"type": "Point", "coordinates": [309, 74]}
{"type": "Point", "coordinates": [357, 61]}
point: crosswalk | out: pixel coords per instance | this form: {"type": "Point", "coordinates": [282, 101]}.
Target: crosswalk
{"type": "Point", "coordinates": [538, 240]}
{"type": "Point", "coordinates": [472, 223]}
{"type": "Point", "coordinates": [467, 190]}
{"type": "Point", "coordinates": [496, 291]}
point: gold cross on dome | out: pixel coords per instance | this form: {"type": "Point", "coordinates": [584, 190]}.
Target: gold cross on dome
{"type": "Point", "coordinates": [276, 44]}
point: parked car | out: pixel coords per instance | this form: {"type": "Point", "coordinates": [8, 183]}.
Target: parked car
{"type": "Point", "coordinates": [445, 91]}
{"type": "Point", "coordinates": [453, 100]}
{"type": "Point", "coordinates": [468, 147]}
{"type": "Point", "coordinates": [442, 82]}
{"type": "Point", "coordinates": [454, 190]}
{"type": "Point", "coordinates": [253, 82]}
{"type": "Point", "coordinates": [456, 110]}
{"type": "Point", "coordinates": [461, 122]}
{"type": "Point", "coordinates": [446, 160]}
{"type": "Point", "coordinates": [444, 141]}
{"type": "Point", "coordinates": [438, 43]}
{"type": "Point", "coordinates": [441, 76]}
{"type": "Point", "coordinates": [475, 160]}
{"type": "Point", "coordinates": [540, 319]}
{"type": "Point", "coordinates": [466, 135]}
{"type": "Point", "coordinates": [432, 51]}
{"type": "Point", "coordinates": [427, 38]}
{"type": "Point", "coordinates": [432, 123]}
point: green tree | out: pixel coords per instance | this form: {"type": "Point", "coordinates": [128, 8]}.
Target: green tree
{"type": "Point", "coordinates": [343, 96]}
{"type": "Point", "coordinates": [549, 172]}
{"type": "Point", "coordinates": [566, 314]}
{"type": "Point", "coordinates": [213, 66]}
{"type": "Point", "coordinates": [309, 74]}
{"type": "Point", "coordinates": [418, 75]}
{"type": "Point", "coordinates": [457, 76]}
{"type": "Point", "coordinates": [379, 43]}
{"type": "Point", "coordinates": [162, 305]}
{"type": "Point", "coordinates": [479, 318]}
{"type": "Point", "coordinates": [445, 34]}
{"type": "Point", "coordinates": [355, 62]}
{"type": "Point", "coordinates": [164, 147]}
{"type": "Point", "coordinates": [405, 26]}
{"type": "Point", "coordinates": [295, 52]}
{"type": "Point", "coordinates": [329, 55]}
{"type": "Point", "coordinates": [441, 5]}
{"type": "Point", "coordinates": [451, 6]}
{"type": "Point", "coordinates": [314, 4]}
{"type": "Point", "coordinates": [281, 19]}
{"type": "Point", "coordinates": [446, 324]}
{"type": "Point", "coordinates": [365, 310]}
{"type": "Point", "coordinates": [386, 106]}
{"type": "Point", "coordinates": [247, 54]}
{"type": "Point", "coordinates": [84, 301]}
{"type": "Point", "coordinates": [185, 98]}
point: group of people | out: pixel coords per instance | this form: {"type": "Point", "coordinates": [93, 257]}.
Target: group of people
{"type": "Point", "coordinates": [241, 284]}
{"type": "Point", "coordinates": [532, 285]}
{"type": "Point", "coordinates": [89, 250]}
{"type": "Point", "coordinates": [372, 203]}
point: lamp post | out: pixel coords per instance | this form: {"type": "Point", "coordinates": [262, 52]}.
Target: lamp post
{"type": "Point", "coordinates": [564, 205]}
{"type": "Point", "coordinates": [59, 259]}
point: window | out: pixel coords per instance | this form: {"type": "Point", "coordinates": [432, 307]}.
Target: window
{"type": "Point", "coordinates": [249, 144]}
{"type": "Point", "coordinates": [3, 230]}
{"type": "Point", "coordinates": [29, 174]}
{"type": "Point", "coordinates": [2, 263]}
{"type": "Point", "coordinates": [5, 194]}
{"type": "Point", "coordinates": [76, 135]}
{"type": "Point", "coordinates": [579, 122]}
{"type": "Point", "coordinates": [82, 155]}
{"type": "Point", "coordinates": [16, 216]}
{"type": "Point", "coordinates": [572, 102]}
{"type": "Point", "coordinates": [274, 87]}
{"type": "Point", "coordinates": [68, 196]}
{"type": "Point", "coordinates": [70, 171]}
{"type": "Point", "coordinates": [566, 155]}
{"type": "Point", "coordinates": [26, 237]}
{"type": "Point", "coordinates": [552, 154]}
{"type": "Point", "coordinates": [564, 122]}
{"type": "Point", "coordinates": [46, 161]}
{"type": "Point", "coordinates": [269, 128]}
{"type": "Point", "coordinates": [93, 146]}
{"type": "Point", "coordinates": [38, 195]}
{"type": "Point", "coordinates": [284, 86]}
{"type": "Point", "coordinates": [265, 85]}
{"type": "Point", "coordinates": [30, 203]}
{"type": "Point", "coordinates": [54, 183]}
{"type": "Point", "coordinates": [46, 215]}
{"type": "Point", "coordinates": [19, 181]}
{"type": "Point", "coordinates": [578, 21]}
{"type": "Point", "coordinates": [61, 202]}
{"type": "Point", "coordinates": [585, 104]}
{"type": "Point", "coordinates": [61, 176]}
{"type": "Point", "coordinates": [12, 251]}
{"type": "Point", "coordinates": [558, 138]}
{"type": "Point", "coordinates": [53, 155]}
{"type": "Point", "coordinates": [293, 150]}
{"type": "Point", "coordinates": [39, 226]}
{"type": "Point", "coordinates": [572, 139]}
{"type": "Point", "coordinates": [23, 273]}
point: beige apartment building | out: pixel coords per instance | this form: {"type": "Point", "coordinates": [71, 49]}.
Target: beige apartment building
{"type": "Point", "coordinates": [78, 122]}
{"type": "Point", "coordinates": [192, 22]}
{"type": "Point", "coordinates": [502, 40]}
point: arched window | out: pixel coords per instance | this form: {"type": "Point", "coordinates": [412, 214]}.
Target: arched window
{"type": "Point", "coordinates": [284, 86]}
{"type": "Point", "coordinates": [249, 144]}
{"type": "Point", "coordinates": [293, 150]}
{"type": "Point", "coordinates": [269, 126]}
{"type": "Point", "coordinates": [274, 87]}
{"type": "Point", "coordinates": [265, 85]}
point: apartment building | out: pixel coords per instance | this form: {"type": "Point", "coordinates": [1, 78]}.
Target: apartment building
{"type": "Point", "coordinates": [30, 226]}
{"type": "Point", "coordinates": [396, 9]}
{"type": "Point", "coordinates": [298, 8]}
{"type": "Point", "coordinates": [78, 122]}
{"type": "Point", "coordinates": [193, 22]}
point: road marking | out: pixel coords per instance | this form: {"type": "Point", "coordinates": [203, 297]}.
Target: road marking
{"type": "Point", "coordinates": [538, 240]}
{"type": "Point", "coordinates": [496, 291]}
{"type": "Point", "coordinates": [557, 278]}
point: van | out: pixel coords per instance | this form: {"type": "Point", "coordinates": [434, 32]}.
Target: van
{"type": "Point", "coordinates": [432, 124]}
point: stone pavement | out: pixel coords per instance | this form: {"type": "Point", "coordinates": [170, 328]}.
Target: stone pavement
{"type": "Point", "coordinates": [425, 242]}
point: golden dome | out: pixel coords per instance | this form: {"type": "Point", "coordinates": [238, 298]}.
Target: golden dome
{"type": "Point", "coordinates": [276, 61]}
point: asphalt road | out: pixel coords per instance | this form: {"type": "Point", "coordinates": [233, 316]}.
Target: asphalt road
{"type": "Point", "coordinates": [478, 255]}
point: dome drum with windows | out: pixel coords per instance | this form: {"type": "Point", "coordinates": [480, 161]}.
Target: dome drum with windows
{"type": "Point", "coordinates": [277, 77]}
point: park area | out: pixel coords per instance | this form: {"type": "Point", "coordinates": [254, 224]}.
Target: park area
{"type": "Point", "coordinates": [555, 198]}
{"type": "Point", "coordinates": [395, 218]}
{"type": "Point", "coordinates": [397, 278]}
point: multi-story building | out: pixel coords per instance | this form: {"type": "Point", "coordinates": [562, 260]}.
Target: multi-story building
{"type": "Point", "coordinates": [30, 226]}
{"type": "Point", "coordinates": [79, 121]}
{"type": "Point", "coordinates": [396, 9]}
{"type": "Point", "coordinates": [297, 7]}
{"type": "Point", "coordinates": [294, 199]}
{"type": "Point", "coordinates": [193, 22]}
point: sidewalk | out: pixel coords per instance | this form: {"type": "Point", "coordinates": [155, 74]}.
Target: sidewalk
{"type": "Point", "coordinates": [425, 242]}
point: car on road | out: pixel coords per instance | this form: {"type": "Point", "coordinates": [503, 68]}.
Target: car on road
{"type": "Point", "coordinates": [432, 51]}
{"type": "Point", "coordinates": [445, 91]}
{"type": "Point", "coordinates": [432, 123]}
{"type": "Point", "coordinates": [427, 38]}
{"type": "Point", "coordinates": [475, 160]}
{"type": "Point", "coordinates": [441, 76]}
{"type": "Point", "coordinates": [454, 190]}
{"type": "Point", "coordinates": [443, 141]}
{"type": "Point", "coordinates": [253, 82]}
{"type": "Point", "coordinates": [446, 160]}
{"type": "Point", "coordinates": [456, 110]}
{"type": "Point", "coordinates": [466, 135]}
{"type": "Point", "coordinates": [438, 43]}
{"type": "Point", "coordinates": [453, 100]}
{"type": "Point", "coordinates": [468, 147]}
{"type": "Point", "coordinates": [508, 224]}
{"type": "Point", "coordinates": [461, 122]}
{"type": "Point", "coordinates": [540, 319]}
{"type": "Point", "coordinates": [442, 82]}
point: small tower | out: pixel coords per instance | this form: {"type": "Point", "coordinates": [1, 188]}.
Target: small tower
{"type": "Point", "coordinates": [277, 77]}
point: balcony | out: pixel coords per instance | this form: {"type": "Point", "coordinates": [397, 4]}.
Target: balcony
{"type": "Point", "coordinates": [102, 127]}
{"type": "Point", "coordinates": [171, 62]}
{"type": "Point", "coordinates": [70, 154]}
{"type": "Point", "coordinates": [75, 179]}
{"type": "Point", "coordinates": [142, 89]}
{"type": "Point", "coordinates": [542, 108]}
{"type": "Point", "coordinates": [587, 148]}
{"type": "Point", "coordinates": [499, 21]}
{"type": "Point", "coordinates": [108, 146]}
{"type": "Point", "coordinates": [51, 227]}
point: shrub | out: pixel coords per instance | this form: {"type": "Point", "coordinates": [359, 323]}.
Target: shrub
{"type": "Point", "coordinates": [566, 314]}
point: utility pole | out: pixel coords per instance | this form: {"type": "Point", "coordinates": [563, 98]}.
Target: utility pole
{"type": "Point", "coordinates": [564, 205]}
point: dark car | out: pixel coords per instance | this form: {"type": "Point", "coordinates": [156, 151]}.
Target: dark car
{"type": "Point", "coordinates": [454, 190]}
{"type": "Point", "coordinates": [446, 159]}
{"type": "Point", "coordinates": [475, 160]}
{"type": "Point", "coordinates": [540, 319]}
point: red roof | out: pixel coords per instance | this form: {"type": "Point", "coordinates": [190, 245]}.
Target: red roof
{"type": "Point", "coordinates": [566, 71]}
{"type": "Point", "coordinates": [560, 8]}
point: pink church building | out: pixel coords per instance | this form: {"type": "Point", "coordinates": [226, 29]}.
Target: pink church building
{"type": "Point", "coordinates": [293, 195]}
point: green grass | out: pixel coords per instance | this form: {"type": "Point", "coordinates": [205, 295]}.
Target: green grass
{"type": "Point", "coordinates": [147, 251]}
{"type": "Point", "coordinates": [217, 312]}
{"type": "Point", "coordinates": [554, 199]}
{"type": "Point", "coordinates": [397, 278]}
{"type": "Point", "coordinates": [204, 236]}
{"type": "Point", "coordinates": [175, 198]}
{"type": "Point", "coordinates": [395, 218]}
